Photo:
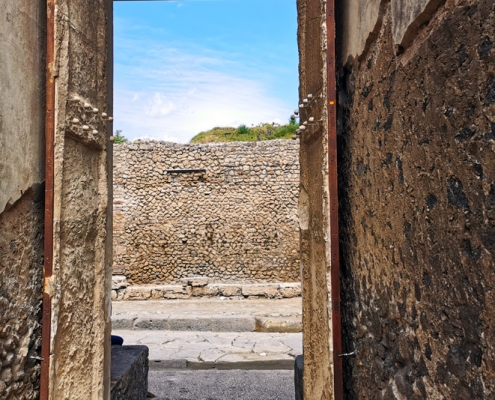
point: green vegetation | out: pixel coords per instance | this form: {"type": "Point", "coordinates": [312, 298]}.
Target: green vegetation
{"type": "Point", "coordinates": [118, 137]}
{"type": "Point", "coordinates": [245, 134]}
{"type": "Point", "coordinates": [242, 130]}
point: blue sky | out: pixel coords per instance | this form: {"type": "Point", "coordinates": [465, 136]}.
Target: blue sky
{"type": "Point", "coordinates": [182, 67]}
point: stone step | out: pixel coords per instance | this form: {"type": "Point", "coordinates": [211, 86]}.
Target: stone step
{"type": "Point", "coordinates": [129, 376]}
{"type": "Point", "coordinates": [195, 287]}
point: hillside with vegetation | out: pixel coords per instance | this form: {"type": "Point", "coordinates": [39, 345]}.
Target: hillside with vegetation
{"type": "Point", "coordinates": [246, 134]}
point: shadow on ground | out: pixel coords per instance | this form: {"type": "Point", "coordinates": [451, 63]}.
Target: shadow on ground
{"type": "Point", "coordinates": [221, 385]}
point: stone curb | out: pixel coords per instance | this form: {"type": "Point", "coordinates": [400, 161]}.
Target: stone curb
{"type": "Point", "coordinates": [284, 364]}
{"type": "Point", "coordinates": [211, 324]}
{"type": "Point", "coordinates": [282, 325]}
{"type": "Point", "coordinates": [157, 365]}
{"type": "Point", "coordinates": [219, 324]}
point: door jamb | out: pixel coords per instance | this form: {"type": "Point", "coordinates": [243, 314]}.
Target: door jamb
{"type": "Point", "coordinates": [334, 202]}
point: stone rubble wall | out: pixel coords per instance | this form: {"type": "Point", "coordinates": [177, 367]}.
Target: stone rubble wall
{"type": "Point", "coordinates": [417, 197]}
{"type": "Point", "coordinates": [235, 222]}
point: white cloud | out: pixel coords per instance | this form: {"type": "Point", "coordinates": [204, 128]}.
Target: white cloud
{"type": "Point", "coordinates": [159, 105]}
{"type": "Point", "coordinates": [174, 92]}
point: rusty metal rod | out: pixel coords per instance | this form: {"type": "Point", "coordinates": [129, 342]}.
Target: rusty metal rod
{"type": "Point", "coordinates": [334, 201]}
{"type": "Point", "coordinates": [49, 197]}
{"type": "Point", "coordinates": [186, 171]}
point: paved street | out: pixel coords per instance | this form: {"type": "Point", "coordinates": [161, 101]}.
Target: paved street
{"type": "Point", "coordinates": [221, 385]}
{"type": "Point", "coordinates": [221, 350]}
{"type": "Point", "coordinates": [213, 333]}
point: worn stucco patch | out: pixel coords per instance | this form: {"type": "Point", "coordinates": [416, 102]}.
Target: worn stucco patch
{"type": "Point", "coordinates": [21, 98]}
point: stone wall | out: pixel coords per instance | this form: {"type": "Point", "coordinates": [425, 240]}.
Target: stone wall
{"type": "Point", "coordinates": [21, 195]}
{"type": "Point", "coordinates": [234, 221]}
{"type": "Point", "coordinates": [129, 373]}
{"type": "Point", "coordinates": [417, 180]}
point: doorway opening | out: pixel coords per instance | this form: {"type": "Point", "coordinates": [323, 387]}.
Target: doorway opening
{"type": "Point", "coordinates": [206, 237]}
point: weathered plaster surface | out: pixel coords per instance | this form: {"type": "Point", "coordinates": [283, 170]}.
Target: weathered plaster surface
{"type": "Point", "coordinates": [361, 22]}
{"type": "Point", "coordinates": [235, 222]}
{"type": "Point", "coordinates": [408, 16]}
{"type": "Point", "coordinates": [80, 286]}
{"type": "Point", "coordinates": [313, 203]}
{"type": "Point", "coordinates": [22, 27]}
{"type": "Point", "coordinates": [21, 98]}
{"type": "Point", "coordinates": [417, 199]}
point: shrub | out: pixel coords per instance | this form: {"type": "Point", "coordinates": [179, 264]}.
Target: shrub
{"type": "Point", "coordinates": [242, 129]}
{"type": "Point", "coordinates": [286, 130]}
{"type": "Point", "coordinates": [118, 137]}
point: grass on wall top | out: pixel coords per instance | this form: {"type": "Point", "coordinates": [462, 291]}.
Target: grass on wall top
{"type": "Point", "coordinates": [245, 134]}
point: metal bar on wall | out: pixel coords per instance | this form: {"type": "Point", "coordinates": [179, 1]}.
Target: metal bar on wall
{"type": "Point", "coordinates": [186, 171]}
{"type": "Point", "coordinates": [109, 151]}
{"type": "Point", "coordinates": [49, 197]}
{"type": "Point", "coordinates": [334, 201]}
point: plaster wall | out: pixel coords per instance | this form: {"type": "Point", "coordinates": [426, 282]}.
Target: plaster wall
{"type": "Point", "coordinates": [417, 197]}
{"type": "Point", "coordinates": [234, 222]}
{"type": "Point", "coordinates": [22, 37]}
{"type": "Point", "coordinates": [22, 34]}
{"type": "Point", "coordinates": [360, 23]}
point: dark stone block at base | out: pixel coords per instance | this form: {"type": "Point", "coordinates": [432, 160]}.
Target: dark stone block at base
{"type": "Point", "coordinates": [298, 377]}
{"type": "Point", "coordinates": [129, 376]}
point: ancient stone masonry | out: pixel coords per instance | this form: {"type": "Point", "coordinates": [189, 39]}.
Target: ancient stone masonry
{"type": "Point", "coordinates": [200, 287]}
{"type": "Point", "coordinates": [417, 179]}
{"type": "Point", "coordinates": [77, 282]}
{"type": "Point", "coordinates": [226, 211]}
{"type": "Point", "coordinates": [22, 74]}
{"type": "Point", "coordinates": [21, 284]}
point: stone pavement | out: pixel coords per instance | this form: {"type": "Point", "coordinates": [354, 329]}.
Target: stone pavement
{"type": "Point", "coordinates": [213, 333]}
{"type": "Point", "coordinates": [220, 350]}
{"type": "Point", "coordinates": [210, 314]}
